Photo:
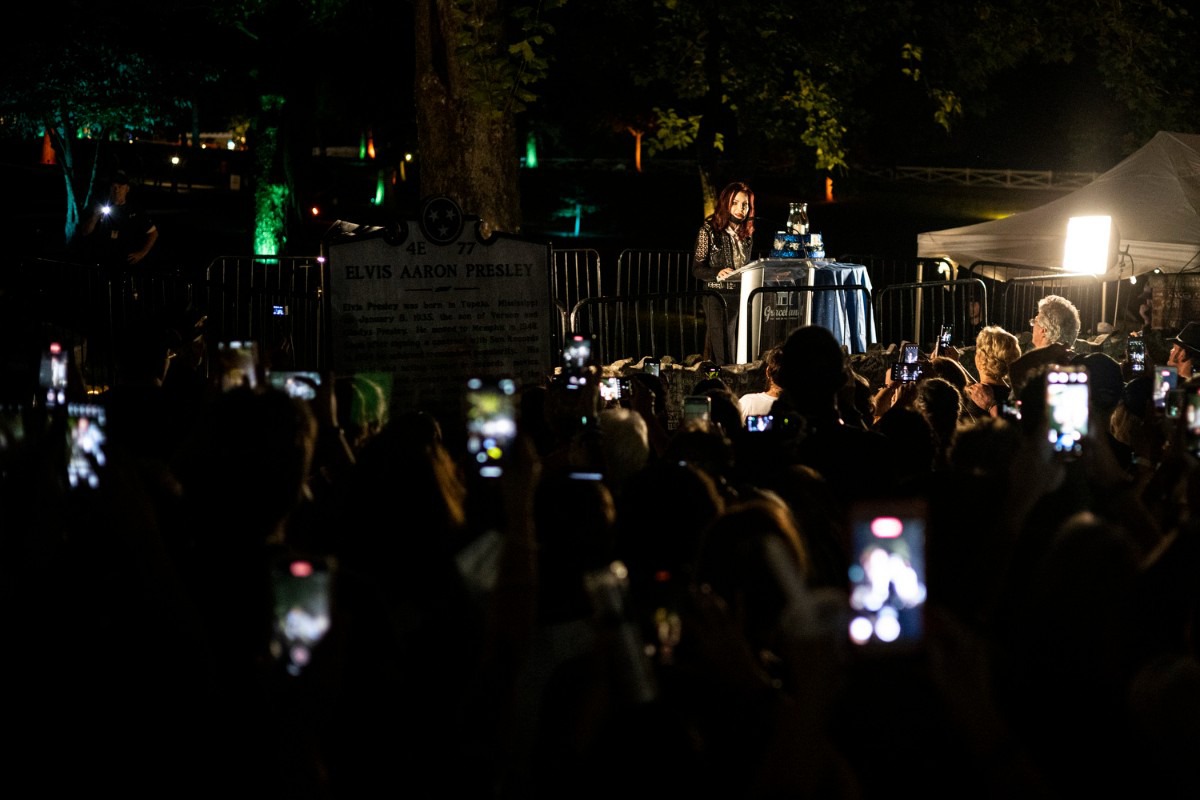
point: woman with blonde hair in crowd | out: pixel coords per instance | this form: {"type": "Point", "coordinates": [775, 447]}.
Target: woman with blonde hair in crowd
{"type": "Point", "coordinates": [995, 351]}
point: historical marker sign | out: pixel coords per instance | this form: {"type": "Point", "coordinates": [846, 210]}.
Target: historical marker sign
{"type": "Point", "coordinates": [433, 305]}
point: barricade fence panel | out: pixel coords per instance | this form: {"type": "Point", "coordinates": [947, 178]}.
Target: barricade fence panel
{"type": "Point", "coordinates": [1017, 288]}
{"type": "Point", "coordinates": [915, 312]}
{"type": "Point", "coordinates": [648, 305]}
{"type": "Point", "coordinates": [576, 276]}
{"type": "Point", "coordinates": [646, 273]}
{"type": "Point", "coordinates": [275, 301]}
{"type": "Point", "coordinates": [665, 324]}
{"type": "Point", "coordinates": [655, 272]}
{"type": "Point", "coordinates": [88, 307]}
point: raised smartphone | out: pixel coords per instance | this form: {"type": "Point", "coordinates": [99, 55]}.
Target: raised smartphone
{"type": "Point", "coordinates": [302, 590]}
{"type": "Point", "coordinates": [945, 337]}
{"type": "Point", "coordinates": [757, 423]}
{"type": "Point", "coordinates": [52, 375]}
{"type": "Point", "coordinates": [238, 364]}
{"type": "Point", "coordinates": [887, 573]}
{"type": "Point", "coordinates": [697, 407]}
{"type": "Point", "coordinates": [577, 360]}
{"type": "Point", "coordinates": [1067, 410]}
{"type": "Point", "coordinates": [1191, 422]}
{"type": "Point", "coordinates": [301, 384]}
{"type": "Point", "coordinates": [87, 445]}
{"type": "Point", "coordinates": [491, 414]}
{"type": "Point", "coordinates": [1135, 351]}
{"type": "Point", "coordinates": [613, 389]}
{"type": "Point", "coordinates": [908, 367]}
{"type": "Point", "coordinates": [1166, 378]}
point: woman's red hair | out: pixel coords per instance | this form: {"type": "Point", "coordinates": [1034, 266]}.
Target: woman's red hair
{"type": "Point", "coordinates": [721, 216]}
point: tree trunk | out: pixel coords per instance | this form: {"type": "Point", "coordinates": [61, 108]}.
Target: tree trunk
{"type": "Point", "coordinates": [272, 190]}
{"type": "Point", "coordinates": [66, 163]}
{"type": "Point", "coordinates": [467, 147]}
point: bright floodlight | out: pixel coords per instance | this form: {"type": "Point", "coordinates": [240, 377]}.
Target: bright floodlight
{"type": "Point", "coordinates": [1087, 245]}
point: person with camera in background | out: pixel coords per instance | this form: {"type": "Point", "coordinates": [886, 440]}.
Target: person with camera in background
{"type": "Point", "coordinates": [120, 234]}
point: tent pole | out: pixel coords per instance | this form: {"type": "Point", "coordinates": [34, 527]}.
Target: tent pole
{"type": "Point", "coordinates": [920, 301]}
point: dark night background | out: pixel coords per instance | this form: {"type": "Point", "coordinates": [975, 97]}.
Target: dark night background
{"type": "Point", "coordinates": [1034, 116]}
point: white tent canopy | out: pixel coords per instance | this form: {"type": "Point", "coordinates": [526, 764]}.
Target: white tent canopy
{"type": "Point", "coordinates": [1153, 197]}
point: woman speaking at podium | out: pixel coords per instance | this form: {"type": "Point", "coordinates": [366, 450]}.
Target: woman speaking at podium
{"type": "Point", "coordinates": [724, 244]}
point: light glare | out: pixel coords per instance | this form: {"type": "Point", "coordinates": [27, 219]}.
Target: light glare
{"type": "Point", "coordinates": [1086, 250]}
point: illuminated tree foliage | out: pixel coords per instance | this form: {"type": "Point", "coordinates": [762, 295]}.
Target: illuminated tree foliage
{"type": "Point", "coordinates": [767, 85]}
{"type": "Point", "coordinates": [779, 85]}
{"type": "Point", "coordinates": [89, 93]}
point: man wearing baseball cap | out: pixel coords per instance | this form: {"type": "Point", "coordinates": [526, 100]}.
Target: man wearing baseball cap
{"type": "Point", "coordinates": [120, 232]}
{"type": "Point", "coordinates": [1185, 350]}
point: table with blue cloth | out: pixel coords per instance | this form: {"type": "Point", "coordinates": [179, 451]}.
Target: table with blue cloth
{"type": "Point", "coordinates": [846, 312]}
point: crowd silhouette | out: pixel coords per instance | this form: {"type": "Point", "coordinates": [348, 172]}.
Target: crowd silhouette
{"type": "Point", "coordinates": [627, 606]}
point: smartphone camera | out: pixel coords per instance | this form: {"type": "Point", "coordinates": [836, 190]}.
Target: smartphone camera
{"type": "Point", "coordinates": [87, 444]}
{"type": "Point", "coordinates": [697, 407]}
{"type": "Point", "coordinates": [491, 424]}
{"type": "Point", "coordinates": [52, 375]}
{"type": "Point", "coordinates": [279, 311]}
{"type": "Point", "coordinates": [1175, 403]}
{"type": "Point", "coordinates": [302, 600]}
{"type": "Point", "coordinates": [1191, 422]}
{"type": "Point", "coordinates": [1135, 349]}
{"type": "Point", "coordinates": [302, 385]}
{"type": "Point", "coordinates": [652, 365]}
{"type": "Point", "coordinates": [1010, 409]}
{"type": "Point", "coordinates": [239, 364]}
{"type": "Point", "coordinates": [906, 372]}
{"type": "Point", "coordinates": [1165, 380]}
{"type": "Point", "coordinates": [611, 390]}
{"type": "Point", "coordinates": [577, 361]}
{"type": "Point", "coordinates": [908, 368]}
{"type": "Point", "coordinates": [758, 423]}
{"type": "Point", "coordinates": [887, 576]}
{"type": "Point", "coordinates": [945, 337]}
{"type": "Point", "coordinates": [1067, 400]}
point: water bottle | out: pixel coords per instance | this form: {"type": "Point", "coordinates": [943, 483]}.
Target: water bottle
{"type": "Point", "coordinates": [797, 221]}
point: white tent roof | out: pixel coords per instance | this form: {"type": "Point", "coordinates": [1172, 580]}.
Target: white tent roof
{"type": "Point", "coordinates": [1153, 197]}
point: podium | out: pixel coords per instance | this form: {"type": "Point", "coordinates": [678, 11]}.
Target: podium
{"type": "Point", "coordinates": [832, 294]}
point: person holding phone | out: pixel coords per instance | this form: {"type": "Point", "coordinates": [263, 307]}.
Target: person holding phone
{"type": "Point", "coordinates": [723, 245]}
{"type": "Point", "coordinates": [119, 232]}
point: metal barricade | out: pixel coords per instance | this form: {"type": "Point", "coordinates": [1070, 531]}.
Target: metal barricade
{"type": "Point", "coordinates": [657, 273]}
{"type": "Point", "coordinates": [660, 324]}
{"type": "Point", "coordinates": [86, 306]}
{"type": "Point", "coordinates": [273, 300]}
{"type": "Point", "coordinates": [575, 276]}
{"type": "Point", "coordinates": [915, 312]}
{"type": "Point", "coordinates": [1017, 288]}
